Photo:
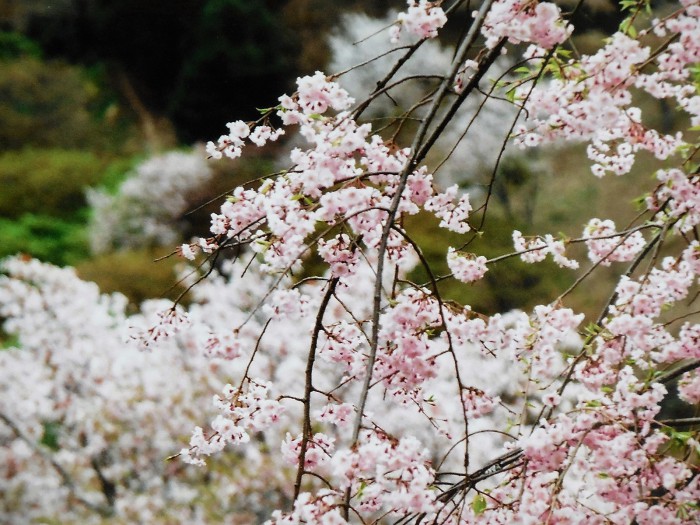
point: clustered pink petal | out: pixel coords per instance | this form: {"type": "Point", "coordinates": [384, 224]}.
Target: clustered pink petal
{"type": "Point", "coordinates": [340, 254]}
{"type": "Point", "coordinates": [393, 474]}
{"type": "Point", "coordinates": [542, 420]}
{"type": "Point", "coordinates": [523, 21]}
{"type": "Point", "coordinates": [536, 250]}
{"type": "Point", "coordinates": [679, 195]}
{"type": "Point", "coordinates": [453, 216]}
{"type": "Point", "coordinates": [464, 268]}
{"type": "Point", "coordinates": [339, 415]}
{"type": "Point", "coordinates": [605, 245]}
{"type": "Point", "coordinates": [592, 101]}
{"type": "Point", "coordinates": [319, 449]}
{"type": "Point", "coordinates": [169, 322]}
{"type": "Point", "coordinates": [242, 411]}
{"type": "Point", "coordinates": [421, 19]}
{"type": "Point", "coordinates": [477, 403]}
{"type": "Point", "coordinates": [406, 357]}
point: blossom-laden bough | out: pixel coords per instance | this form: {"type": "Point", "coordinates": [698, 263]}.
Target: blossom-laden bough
{"type": "Point", "coordinates": [392, 405]}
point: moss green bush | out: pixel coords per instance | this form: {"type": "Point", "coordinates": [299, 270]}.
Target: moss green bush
{"type": "Point", "coordinates": [133, 273]}
{"type": "Point", "coordinates": [46, 182]}
{"type": "Point", "coordinates": [52, 104]}
{"type": "Point", "coordinates": [45, 104]}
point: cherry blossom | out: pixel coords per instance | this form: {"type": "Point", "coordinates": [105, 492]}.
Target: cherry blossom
{"type": "Point", "coordinates": [605, 246]}
{"type": "Point", "coordinates": [464, 268]}
{"type": "Point", "coordinates": [422, 19]}
{"type": "Point", "coordinates": [520, 21]}
{"type": "Point", "coordinates": [346, 392]}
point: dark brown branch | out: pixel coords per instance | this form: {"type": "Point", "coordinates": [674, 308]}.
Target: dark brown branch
{"type": "Point", "coordinates": [676, 373]}
{"type": "Point", "coordinates": [308, 384]}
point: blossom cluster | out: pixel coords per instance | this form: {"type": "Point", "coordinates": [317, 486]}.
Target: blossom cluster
{"type": "Point", "coordinates": [606, 246]}
{"type": "Point", "coordinates": [678, 198]}
{"type": "Point", "coordinates": [591, 98]}
{"type": "Point", "coordinates": [523, 21]}
{"type": "Point", "coordinates": [231, 144]}
{"type": "Point", "coordinates": [242, 411]}
{"type": "Point", "coordinates": [586, 428]}
{"type": "Point", "coordinates": [93, 417]}
{"type": "Point", "coordinates": [464, 268]}
{"type": "Point", "coordinates": [536, 250]}
{"type": "Point", "coordinates": [422, 19]}
{"type": "Point", "coordinates": [347, 177]}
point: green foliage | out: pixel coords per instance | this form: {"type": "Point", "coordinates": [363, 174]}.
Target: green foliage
{"type": "Point", "coordinates": [133, 273]}
{"type": "Point", "coordinates": [192, 60]}
{"type": "Point", "coordinates": [15, 45]}
{"type": "Point", "coordinates": [43, 210]}
{"type": "Point", "coordinates": [479, 504]}
{"type": "Point", "coordinates": [117, 171]}
{"type": "Point", "coordinates": [515, 187]}
{"type": "Point", "coordinates": [44, 237]}
{"type": "Point", "coordinates": [44, 104]}
{"type": "Point", "coordinates": [46, 182]}
{"type": "Point", "coordinates": [8, 340]}
{"type": "Point", "coordinates": [50, 437]}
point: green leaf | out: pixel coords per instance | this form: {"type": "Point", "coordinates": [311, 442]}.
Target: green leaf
{"type": "Point", "coordinates": [50, 436]}
{"type": "Point", "coordinates": [681, 437]}
{"type": "Point", "coordinates": [592, 329]}
{"type": "Point", "coordinates": [361, 490]}
{"type": "Point", "coordinates": [479, 504]}
{"type": "Point", "coordinates": [8, 341]}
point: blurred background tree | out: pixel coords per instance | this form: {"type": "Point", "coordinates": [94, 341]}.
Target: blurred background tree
{"type": "Point", "coordinates": [191, 61]}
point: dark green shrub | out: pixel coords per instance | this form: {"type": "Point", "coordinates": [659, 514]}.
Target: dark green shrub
{"type": "Point", "coordinates": [47, 238]}
{"type": "Point", "coordinates": [15, 45]}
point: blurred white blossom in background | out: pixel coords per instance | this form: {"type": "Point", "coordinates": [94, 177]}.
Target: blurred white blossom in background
{"type": "Point", "coordinates": [147, 208]}
{"type": "Point", "coordinates": [354, 42]}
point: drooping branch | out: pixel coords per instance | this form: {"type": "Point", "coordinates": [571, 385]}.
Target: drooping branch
{"type": "Point", "coordinates": [308, 383]}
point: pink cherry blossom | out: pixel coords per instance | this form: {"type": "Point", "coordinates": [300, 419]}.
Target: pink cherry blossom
{"type": "Point", "coordinates": [422, 19]}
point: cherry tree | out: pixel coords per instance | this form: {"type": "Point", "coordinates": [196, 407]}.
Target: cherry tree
{"type": "Point", "coordinates": [583, 442]}
{"type": "Point", "coordinates": [378, 400]}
